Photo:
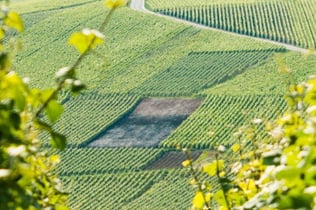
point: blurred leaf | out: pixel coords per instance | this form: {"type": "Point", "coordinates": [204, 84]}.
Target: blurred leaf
{"type": "Point", "coordinates": [53, 110]}
{"type": "Point", "coordinates": [186, 163]}
{"type": "Point", "coordinates": [15, 120]}
{"type": "Point", "coordinates": [86, 40]}
{"type": "Point", "coordinates": [235, 147]}
{"type": "Point", "coordinates": [60, 207]}
{"type": "Point", "coordinates": [219, 196]}
{"type": "Point", "coordinates": [310, 175]}
{"type": "Point", "coordinates": [13, 20]}
{"type": "Point", "coordinates": [289, 173]}
{"type": "Point", "coordinates": [112, 4]}
{"type": "Point", "coordinates": [45, 94]}
{"type": "Point", "coordinates": [198, 200]}
{"type": "Point", "coordinates": [58, 141]}
{"type": "Point", "coordinates": [5, 62]}
{"type": "Point", "coordinates": [210, 168]}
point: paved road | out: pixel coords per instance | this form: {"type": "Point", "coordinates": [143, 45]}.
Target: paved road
{"type": "Point", "coordinates": [139, 6]}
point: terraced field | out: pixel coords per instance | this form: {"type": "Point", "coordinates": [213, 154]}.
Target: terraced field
{"type": "Point", "coordinates": [146, 57]}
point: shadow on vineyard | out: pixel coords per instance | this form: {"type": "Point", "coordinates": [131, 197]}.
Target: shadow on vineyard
{"type": "Point", "coordinates": [151, 122]}
{"type": "Point", "coordinates": [201, 70]}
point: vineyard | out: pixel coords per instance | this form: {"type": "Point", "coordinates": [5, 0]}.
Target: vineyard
{"type": "Point", "coordinates": [275, 79]}
{"type": "Point", "coordinates": [88, 114]}
{"type": "Point", "coordinates": [208, 126]}
{"type": "Point", "coordinates": [138, 82]}
{"type": "Point", "coordinates": [108, 191]}
{"type": "Point", "coordinates": [290, 22]}
{"type": "Point", "coordinates": [88, 161]}
{"type": "Point", "coordinates": [201, 70]}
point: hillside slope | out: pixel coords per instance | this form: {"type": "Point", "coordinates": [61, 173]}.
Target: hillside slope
{"type": "Point", "coordinates": [147, 56]}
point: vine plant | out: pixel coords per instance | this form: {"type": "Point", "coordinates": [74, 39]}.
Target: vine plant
{"type": "Point", "coordinates": [26, 178]}
{"type": "Point", "coordinates": [278, 172]}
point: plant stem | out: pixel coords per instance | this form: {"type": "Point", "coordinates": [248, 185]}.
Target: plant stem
{"type": "Point", "coordinates": [73, 67]}
{"type": "Point", "coordinates": [195, 176]}
{"type": "Point", "coordinates": [219, 180]}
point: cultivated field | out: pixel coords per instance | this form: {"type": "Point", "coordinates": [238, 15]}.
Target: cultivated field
{"type": "Point", "coordinates": [149, 58]}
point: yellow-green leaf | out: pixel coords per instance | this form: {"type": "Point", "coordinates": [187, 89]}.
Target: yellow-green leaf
{"type": "Point", "coordinates": [55, 159]}
{"type": "Point", "coordinates": [112, 4]}
{"type": "Point", "coordinates": [186, 163]}
{"type": "Point", "coordinates": [221, 164]}
{"type": "Point", "coordinates": [235, 147]}
{"type": "Point", "coordinates": [61, 207]}
{"type": "Point", "coordinates": [86, 40]}
{"type": "Point", "coordinates": [13, 20]}
{"type": "Point", "coordinates": [220, 198]}
{"type": "Point", "coordinates": [198, 200]}
{"type": "Point", "coordinates": [210, 168]}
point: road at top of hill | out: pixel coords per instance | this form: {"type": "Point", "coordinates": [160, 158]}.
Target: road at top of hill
{"type": "Point", "coordinates": [139, 6]}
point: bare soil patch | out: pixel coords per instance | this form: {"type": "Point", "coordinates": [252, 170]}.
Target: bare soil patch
{"type": "Point", "coordinates": [151, 122]}
{"type": "Point", "coordinates": [165, 107]}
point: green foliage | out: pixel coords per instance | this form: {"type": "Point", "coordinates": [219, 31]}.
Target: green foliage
{"type": "Point", "coordinates": [201, 70]}
{"type": "Point", "coordinates": [90, 113]}
{"type": "Point", "coordinates": [171, 192]}
{"type": "Point", "coordinates": [278, 172]}
{"type": "Point", "coordinates": [105, 160]}
{"type": "Point", "coordinates": [26, 172]}
{"type": "Point", "coordinates": [284, 21]}
{"type": "Point", "coordinates": [140, 47]}
{"type": "Point", "coordinates": [208, 125]}
{"type": "Point", "coordinates": [154, 44]}
{"type": "Point", "coordinates": [271, 80]}
{"type": "Point", "coordinates": [35, 6]}
{"type": "Point", "coordinates": [109, 191]}
{"type": "Point", "coordinates": [158, 4]}
{"type": "Point", "coordinates": [86, 40]}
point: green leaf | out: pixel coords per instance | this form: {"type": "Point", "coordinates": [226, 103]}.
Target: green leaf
{"type": "Point", "coordinates": [220, 198]}
{"type": "Point", "coordinates": [310, 175]}
{"type": "Point", "coordinates": [58, 141]}
{"type": "Point", "coordinates": [15, 120]}
{"type": "Point", "coordinates": [13, 20]}
{"type": "Point", "coordinates": [46, 94]}
{"type": "Point", "coordinates": [53, 110]}
{"type": "Point", "coordinates": [5, 62]}
{"type": "Point", "coordinates": [289, 173]}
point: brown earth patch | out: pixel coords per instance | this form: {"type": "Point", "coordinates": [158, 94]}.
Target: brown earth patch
{"type": "Point", "coordinates": [166, 107]}
{"type": "Point", "coordinates": [150, 123]}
